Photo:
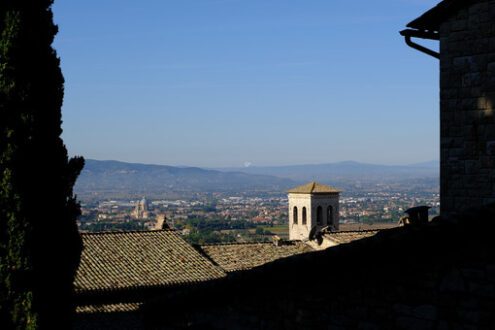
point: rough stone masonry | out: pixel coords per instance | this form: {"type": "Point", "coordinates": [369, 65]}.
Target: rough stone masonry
{"type": "Point", "coordinates": [467, 99]}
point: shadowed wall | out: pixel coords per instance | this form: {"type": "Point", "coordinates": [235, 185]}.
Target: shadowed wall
{"type": "Point", "coordinates": [467, 124]}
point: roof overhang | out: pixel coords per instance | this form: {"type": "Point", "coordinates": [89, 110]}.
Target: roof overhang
{"type": "Point", "coordinates": [427, 26]}
{"type": "Point", "coordinates": [431, 20]}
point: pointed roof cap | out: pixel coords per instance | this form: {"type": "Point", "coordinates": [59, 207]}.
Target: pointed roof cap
{"type": "Point", "coordinates": [313, 188]}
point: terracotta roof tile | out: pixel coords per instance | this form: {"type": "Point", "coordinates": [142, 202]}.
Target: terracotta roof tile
{"type": "Point", "coordinates": [116, 260]}
{"type": "Point", "coordinates": [109, 308]}
{"type": "Point", "coordinates": [313, 188]}
{"type": "Point", "coordinates": [234, 257]}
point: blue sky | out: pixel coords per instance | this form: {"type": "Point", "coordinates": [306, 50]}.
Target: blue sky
{"type": "Point", "coordinates": [216, 83]}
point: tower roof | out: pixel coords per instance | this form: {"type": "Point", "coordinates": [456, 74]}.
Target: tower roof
{"type": "Point", "coordinates": [313, 188]}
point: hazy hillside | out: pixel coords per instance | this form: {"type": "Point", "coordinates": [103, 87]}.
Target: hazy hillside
{"type": "Point", "coordinates": [113, 179]}
{"type": "Point", "coordinates": [114, 176]}
{"type": "Point", "coordinates": [343, 171]}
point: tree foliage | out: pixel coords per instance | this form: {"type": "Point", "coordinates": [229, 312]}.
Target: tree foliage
{"type": "Point", "coordinates": [39, 242]}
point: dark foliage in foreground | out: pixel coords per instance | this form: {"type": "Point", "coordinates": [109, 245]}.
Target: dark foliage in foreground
{"type": "Point", "coordinates": [39, 243]}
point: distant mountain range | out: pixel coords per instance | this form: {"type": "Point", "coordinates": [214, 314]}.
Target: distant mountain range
{"type": "Point", "coordinates": [129, 178]}
{"type": "Point", "coordinates": [114, 176]}
{"type": "Point", "coordinates": [348, 170]}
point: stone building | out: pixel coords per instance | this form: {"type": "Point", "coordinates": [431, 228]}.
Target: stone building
{"type": "Point", "coordinates": [141, 211]}
{"type": "Point", "coordinates": [466, 33]}
{"type": "Point", "coordinates": [312, 207]}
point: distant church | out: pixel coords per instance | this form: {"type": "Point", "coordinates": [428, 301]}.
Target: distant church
{"type": "Point", "coordinates": [141, 211]}
{"type": "Point", "coordinates": [312, 207]}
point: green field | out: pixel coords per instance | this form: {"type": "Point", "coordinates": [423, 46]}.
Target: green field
{"type": "Point", "coordinates": [275, 228]}
{"type": "Point", "coordinates": [280, 230]}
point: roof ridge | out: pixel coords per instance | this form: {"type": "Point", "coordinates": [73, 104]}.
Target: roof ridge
{"type": "Point", "coordinates": [233, 243]}
{"type": "Point", "coordinates": [314, 187]}
{"type": "Point", "coordinates": [356, 231]}
{"type": "Point", "coordinates": [109, 232]}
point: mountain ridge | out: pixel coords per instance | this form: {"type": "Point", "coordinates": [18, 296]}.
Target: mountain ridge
{"type": "Point", "coordinates": [345, 170]}
{"type": "Point", "coordinates": [111, 175]}
{"type": "Point", "coordinates": [104, 176]}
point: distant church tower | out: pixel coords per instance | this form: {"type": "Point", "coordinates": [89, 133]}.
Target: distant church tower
{"type": "Point", "coordinates": [141, 210]}
{"type": "Point", "coordinates": [312, 205]}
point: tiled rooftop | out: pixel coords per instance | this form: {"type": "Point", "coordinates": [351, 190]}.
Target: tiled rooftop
{"type": "Point", "coordinates": [117, 260]}
{"type": "Point", "coordinates": [109, 308]}
{"type": "Point", "coordinates": [313, 188]}
{"type": "Point", "coordinates": [343, 237]}
{"type": "Point", "coordinates": [234, 257]}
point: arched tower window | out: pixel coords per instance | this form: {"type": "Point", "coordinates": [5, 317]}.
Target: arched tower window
{"type": "Point", "coordinates": [319, 216]}
{"type": "Point", "coordinates": [304, 216]}
{"type": "Point", "coordinates": [294, 215]}
{"type": "Point", "coordinates": [330, 215]}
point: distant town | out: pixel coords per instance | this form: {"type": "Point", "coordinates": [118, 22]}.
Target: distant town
{"type": "Point", "coordinates": [244, 217]}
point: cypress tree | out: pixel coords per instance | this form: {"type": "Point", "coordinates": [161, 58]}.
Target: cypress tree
{"type": "Point", "coordinates": [39, 243]}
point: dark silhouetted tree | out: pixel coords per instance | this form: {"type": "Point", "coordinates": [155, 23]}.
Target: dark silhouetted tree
{"type": "Point", "coordinates": [39, 242]}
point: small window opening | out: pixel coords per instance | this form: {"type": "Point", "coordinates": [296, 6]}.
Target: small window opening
{"type": "Point", "coordinates": [329, 215]}
{"type": "Point", "coordinates": [319, 216]}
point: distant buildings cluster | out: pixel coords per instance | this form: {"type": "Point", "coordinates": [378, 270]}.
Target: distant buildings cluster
{"type": "Point", "coordinates": [142, 211]}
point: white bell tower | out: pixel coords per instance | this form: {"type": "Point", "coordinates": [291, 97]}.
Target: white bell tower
{"type": "Point", "coordinates": [312, 205]}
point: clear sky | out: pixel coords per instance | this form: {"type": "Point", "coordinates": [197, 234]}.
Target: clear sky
{"type": "Point", "coordinates": [218, 83]}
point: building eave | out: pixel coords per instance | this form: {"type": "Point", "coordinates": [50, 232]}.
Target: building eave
{"type": "Point", "coordinates": [431, 20]}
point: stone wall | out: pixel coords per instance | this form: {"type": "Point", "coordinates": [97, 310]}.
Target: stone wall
{"type": "Point", "coordinates": [441, 276]}
{"type": "Point", "coordinates": [324, 201]}
{"type": "Point", "coordinates": [467, 99]}
{"type": "Point", "coordinates": [299, 231]}
{"type": "Point", "coordinates": [311, 202]}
